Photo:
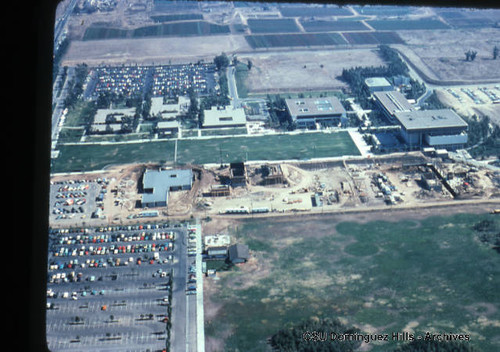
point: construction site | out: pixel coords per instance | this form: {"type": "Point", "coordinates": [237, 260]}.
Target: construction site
{"type": "Point", "coordinates": [406, 180]}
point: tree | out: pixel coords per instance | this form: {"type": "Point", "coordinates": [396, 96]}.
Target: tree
{"type": "Point", "coordinates": [221, 62]}
{"type": "Point", "coordinates": [470, 55]}
{"type": "Point", "coordinates": [249, 65]}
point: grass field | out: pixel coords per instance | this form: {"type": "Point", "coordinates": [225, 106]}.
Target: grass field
{"type": "Point", "coordinates": [206, 151]}
{"type": "Point", "coordinates": [428, 275]}
{"type": "Point", "coordinates": [272, 147]}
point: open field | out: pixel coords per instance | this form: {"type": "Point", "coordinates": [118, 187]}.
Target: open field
{"type": "Point", "coordinates": [439, 54]}
{"type": "Point", "coordinates": [207, 151]}
{"type": "Point", "coordinates": [271, 71]}
{"type": "Point", "coordinates": [297, 146]}
{"type": "Point", "coordinates": [153, 50]}
{"type": "Point", "coordinates": [382, 273]}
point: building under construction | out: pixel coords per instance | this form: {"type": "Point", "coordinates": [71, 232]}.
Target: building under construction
{"type": "Point", "coordinates": [272, 175]}
{"type": "Point", "coordinates": [219, 191]}
{"type": "Point", "coordinates": [238, 174]}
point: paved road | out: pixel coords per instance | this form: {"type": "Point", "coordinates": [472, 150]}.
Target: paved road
{"type": "Point", "coordinates": [179, 302]}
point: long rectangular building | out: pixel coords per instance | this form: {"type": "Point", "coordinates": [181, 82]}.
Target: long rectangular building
{"type": "Point", "coordinates": [307, 112]}
{"type": "Point", "coordinates": [441, 128]}
{"type": "Point", "coordinates": [391, 102]}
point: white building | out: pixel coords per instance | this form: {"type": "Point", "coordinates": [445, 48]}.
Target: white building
{"type": "Point", "coordinates": [228, 116]}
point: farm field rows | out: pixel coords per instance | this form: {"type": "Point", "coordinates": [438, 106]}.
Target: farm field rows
{"type": "Point", "coordinates": [392, 25]}
{"type": "Point", "coordinates": [294, 40]}
{"type": "Point", "coordinates": [273, 26]}
{"type": "Point", "coordinates": [308, 11]}
{"type": "Point", "coordinates": [191, 28]}
{"type": "Point", "coordinates": [333, 26]}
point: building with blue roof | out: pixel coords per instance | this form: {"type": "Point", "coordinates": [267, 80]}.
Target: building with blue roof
{"type": "Point", "coordinates": [157, 184]}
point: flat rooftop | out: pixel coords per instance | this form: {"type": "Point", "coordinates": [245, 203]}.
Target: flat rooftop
{"type": "Point", "coordinates": [393, 101]}
{"type": "Point", "coordinates": [222, 117]}
{"type": "Point", "coordinates": [160, 181]}
{"type": "Point", "coordinates": [306, 107]}
{"type": "Point", "coordinates": [430, 119]}
{"type": "Point", "coordinates": [377, 82]}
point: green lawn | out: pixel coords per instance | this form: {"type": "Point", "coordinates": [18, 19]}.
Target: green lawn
{"type": "Point", "coordinates": [204, 151]}
{"type": "Point", "coordinates": [432, 275]}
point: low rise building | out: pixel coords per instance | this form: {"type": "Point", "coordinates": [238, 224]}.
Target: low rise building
{"type": "Point", "coordinates": [218, 117]}
{"type": "Point", "coordinates": [238, 253]}
{"type": "Point", "coordinates": [307, 112]}
{"type": "Point", "coordinates": [111, 120]}
{"type": "Point", "coordinates": [157, 184]}
{"type": "Point", "coordinates": [441, 128]}
{"type": "Point", "coordinates": [377, 84]}
{"type": "Point", "coordinates": [167, 127]}
{"type": "Point", "coordinates": [169, 109]}
{"type": "Point", "coordinates": [391, 102]}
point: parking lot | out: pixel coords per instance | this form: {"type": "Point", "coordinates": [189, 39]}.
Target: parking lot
{"type": "Point", "coordinates": [111, 287]}
{"type": "Point", "coordinates": [77, 200]}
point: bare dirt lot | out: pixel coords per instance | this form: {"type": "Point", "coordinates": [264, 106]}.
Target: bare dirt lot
{"type": "Point", "coordinates": [304, 70]}
{"type": "Point", "coordinates": [154, 50]}
{"type": "Point", "coordinates": [439, 54]}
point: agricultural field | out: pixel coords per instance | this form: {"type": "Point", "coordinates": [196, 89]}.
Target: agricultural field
{"type": "Point", "coordinates": [294, 40]}
{"type": "Point", "coordinates": [308, 11]}
{"type": "Point", "coordinates": [333, 26]}
{"type": "Point", "coordinates": [197, 28]}
{"type": "Point", "coordinates": [273, 26]}
{"type": "Point", "coordinates": [372, 38]}
{"type": "Point", "coordinates": [469, 18]}
{"type": "Point", "coordinates": [397, 25]}
{"type": "Point", "coordinates": [380, 273]}
{"type": "Point", "coordinates": [207, 151]}
{"type": "Point", "coordinates": [179, 17]}
{"type": "Point", "coordinates": [385, 11]}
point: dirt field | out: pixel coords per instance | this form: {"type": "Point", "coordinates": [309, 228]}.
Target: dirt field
{"type": "Point", "coordinates": [153, 50]}
{"type": "Point", "coordinates": [440, 54]}
{"type": "Point", "coordinates": [302, 71]}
